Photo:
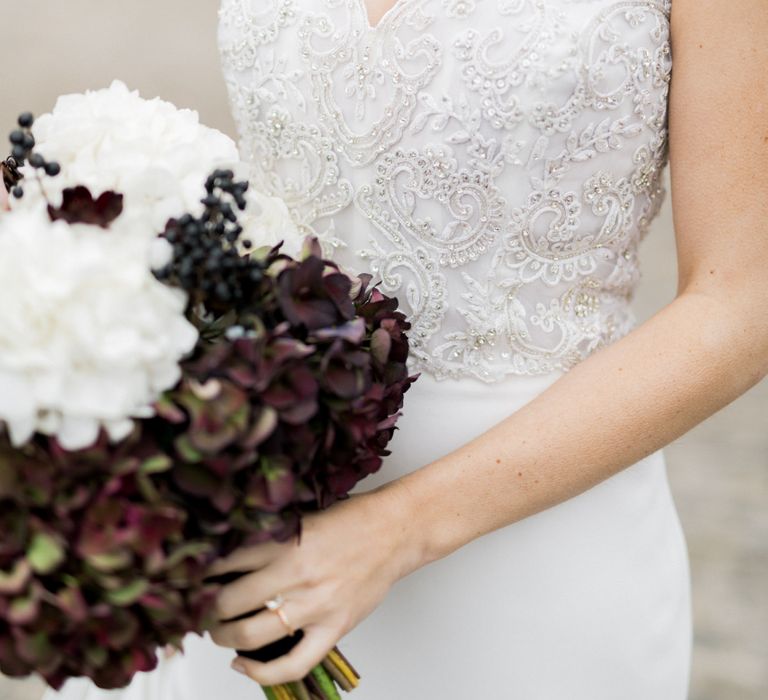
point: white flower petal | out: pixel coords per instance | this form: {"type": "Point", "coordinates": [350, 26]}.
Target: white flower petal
{"type": "Point", "coordinates": [119, 429]}
{"type": "Point", "coordinates": [21, 429]}
{"type": "Point", "coordinates": [77, 433]}
{"type": "Point", "coordinates": [16, 400]}
{"type": "Point", "coordinates": [267, 222]}
{"type": "Point", "coordinates": [160, 253]}
{"type": "Point", "coordinates": [88, 335]}
{"type": "Point", "coordinates": [157, 156]}
{"type": "Point", "coordinates": [49, 422]}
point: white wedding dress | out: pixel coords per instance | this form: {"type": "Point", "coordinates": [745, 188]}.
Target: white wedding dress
{"type": "Point", "coordinates": [495, 163]}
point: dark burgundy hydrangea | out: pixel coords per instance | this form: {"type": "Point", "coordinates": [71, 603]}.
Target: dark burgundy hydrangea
{"type": "Point", "coordinates": [78, 206]}
{"type": "Point", "coordinates": [96, 570]}
{"type": "Point", "coordinates": [290, 415]}
{"type": "Point", "coordinates": [288, 401]}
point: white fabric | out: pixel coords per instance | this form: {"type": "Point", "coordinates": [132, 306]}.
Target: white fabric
{"type": "Point", "coordinates": [524, 141]}
{"type": "Point", "coordinates": [494, 162]}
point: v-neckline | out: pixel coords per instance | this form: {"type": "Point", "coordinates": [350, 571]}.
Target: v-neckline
{"type": "Point", "coordinates": [383, 19]}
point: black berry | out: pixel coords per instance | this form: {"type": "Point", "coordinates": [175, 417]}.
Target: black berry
{"type": "Point", "coordinates": [26, 120]}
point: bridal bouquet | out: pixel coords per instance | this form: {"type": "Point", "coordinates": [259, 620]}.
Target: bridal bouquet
{"type": "Point", "coordinates": [173, 385]}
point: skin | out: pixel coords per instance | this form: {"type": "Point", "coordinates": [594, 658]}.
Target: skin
{"type": "Point", "coordinates": [377, 9]}
{"type": "Point", "coordinates": [695, 356]}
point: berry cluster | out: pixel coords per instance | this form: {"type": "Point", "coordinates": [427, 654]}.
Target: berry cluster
{"type": "Point", "coordinates": [22, 150]}
{"type": "Point", "coordinates": [206, 262]}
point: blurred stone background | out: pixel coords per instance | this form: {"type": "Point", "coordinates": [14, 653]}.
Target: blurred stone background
{"type": "Point", "coordinates": [719, 471]}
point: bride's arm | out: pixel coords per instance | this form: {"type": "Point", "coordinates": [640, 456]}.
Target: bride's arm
{"type": "Point", "coordinates": [626, 401]}
{"type": "Point", "coordinates": [691, 359]}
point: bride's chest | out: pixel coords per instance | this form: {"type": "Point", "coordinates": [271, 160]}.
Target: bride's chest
{"type": "Point", "coordinates": [494, 64]}
{"type": "Point", "coordinates": [368, 40]}
{"type": "Point", "coordinates": [485, 159]}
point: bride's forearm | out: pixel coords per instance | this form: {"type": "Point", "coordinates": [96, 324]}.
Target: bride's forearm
{"type": "Point", "coordinates": [623, 403]}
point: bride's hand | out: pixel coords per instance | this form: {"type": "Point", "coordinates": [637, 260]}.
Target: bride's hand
{"type": "Point", "coordinates": [348, 558]}
{"type": "Point", "coordinates": [4, 199]}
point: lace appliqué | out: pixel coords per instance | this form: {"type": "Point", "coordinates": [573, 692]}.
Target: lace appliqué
{"type": "Point", "coordinates": [314, 189]}
{"type": "Point", "coordinates": [494, 163]}
{"type": "Point", "coordinates": [252, 24]}
{"type": "Point", "coordinates": [361, 58]}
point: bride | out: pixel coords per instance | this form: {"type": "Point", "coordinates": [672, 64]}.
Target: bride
{"type": "Point", "coordinates": [496, 164]}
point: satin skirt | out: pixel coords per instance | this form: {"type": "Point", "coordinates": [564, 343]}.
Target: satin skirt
{"type": "Point", "coordinates": [588, 600]}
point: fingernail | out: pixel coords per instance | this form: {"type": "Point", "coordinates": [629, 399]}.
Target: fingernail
{"type": "Point", "coordinates": [238, 666]}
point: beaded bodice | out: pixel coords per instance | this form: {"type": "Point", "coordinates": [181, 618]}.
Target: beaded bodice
{"type": "Point", "coordinates": [494, 163]}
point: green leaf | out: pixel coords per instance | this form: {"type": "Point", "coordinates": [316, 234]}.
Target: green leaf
{"type": "Point", "coordinates": [381, 345]}
{"type": "Point", "coordinates": [148, 489]}
{"type": "Point", "coordinates": [109, 561]}
{"type": "Point", "coordinates": [127, 595]}
{"type": "Point", "coordinates": [38, 496]}
{"type": "Point", "coordinates": [186, 550]}
{"type": "Point", "coordinates": [262, 427]}
{"type": "Point", "coordinates": [44, 553]}
{"type": "Point", "coordinates": [156, 464]}
{"type": "Point", "coordinates": [15, 579]}
{"type": "Point", "coordinates": [96, 656]}
{"type": "Point", "coordinates": [35, 648]}
{"type": "Point", "coordinates": [23, 610]}
{"type": "Point", "coordinates": [186, 450]}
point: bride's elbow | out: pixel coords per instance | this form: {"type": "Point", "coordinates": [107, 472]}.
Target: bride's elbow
{"type": "Point", "coordinates": [734, 320]}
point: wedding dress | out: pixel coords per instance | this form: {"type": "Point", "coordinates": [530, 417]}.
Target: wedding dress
{"type": "Point", "coordinates": [495, 164]}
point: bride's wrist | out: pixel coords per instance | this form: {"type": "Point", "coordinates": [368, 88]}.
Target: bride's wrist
{"type": "Point", "coordinates": [400, 521]}
{"type": "Point", "coordinates": [433, 514]}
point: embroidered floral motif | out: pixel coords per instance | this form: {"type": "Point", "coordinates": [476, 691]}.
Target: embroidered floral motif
{"type": "Point", "coordinates": [403, 179]}
{"type": "Point", "coordinates": [251, 24]}
{"type": "Point", "coordinates": [460, 8]}
{"type": "Point", "coordinates": [494, 163]}
{"type": "Point", "coordinates": [371, 57]}
{"type": "Point", "coordinates": [314, 189]}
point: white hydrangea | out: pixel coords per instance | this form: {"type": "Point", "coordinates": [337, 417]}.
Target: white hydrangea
{"type": "Point", "coordinates": [88, 336]}
{"type": "Point", "coordinates": [267, 221]}
{"type": "Point", "coordinates": [156, 155]}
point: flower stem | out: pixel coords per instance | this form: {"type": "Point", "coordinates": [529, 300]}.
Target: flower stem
{"type": "Point", "coordinates": [342, 662]}
{"type": "Point", "coordinates": [335, 673]}
{"type": "Point", "coordinates": [320, 684]}
{"type": "Point", "coordinates": [337, 659]}
{"type": "Point", "coordinates": [283, 692]}
{"type": "Point", "coordinates": [325, 682]}
{"type": "Point", "coordinates": [300, 690]}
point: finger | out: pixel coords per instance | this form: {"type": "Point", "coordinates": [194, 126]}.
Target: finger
{"type": "Point", "coordinates": [258, 630]}
{"type": "Point", "coordinates": [248, 558]}
{"type": "Point", "coordinates": [295, 665]}
{"type": "Point", "coordinates": [249, 593]}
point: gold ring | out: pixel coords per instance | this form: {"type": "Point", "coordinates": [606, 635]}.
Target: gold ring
{"type": "Point", "coordinates": [275, 605]}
